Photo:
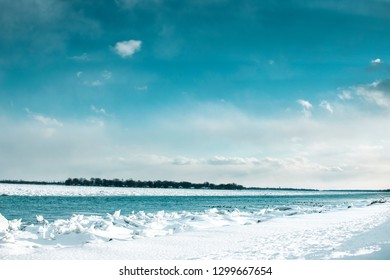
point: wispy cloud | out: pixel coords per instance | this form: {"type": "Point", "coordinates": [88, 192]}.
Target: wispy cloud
{"type": "Point", "coordinates": [47, 121]}
{"type": "Point", "coordinates": [82, 57]}
{"type": "Point", "coordinates": [222, 160]}
{"type": "Point", "coordinates": [306, 107]}
{"type": "Point", "coordinates": [376, 93]}
{"type": "Point", "coordinates": [180, 160]}
{"type": "Point", "coordinates": [100, 111]}
{"type": "Point", "coordinates": [106, 75]}
{"type": "Point", "coordinates": [127, 48]}
{"type": "Point", "coordinates": [327, 106]}
{"type": "Point", "coordinates": [96, 79]}
{"type": "Point", "coordinates": [345, 95]}
{"type": "Point", "coordinates": [374, 96]}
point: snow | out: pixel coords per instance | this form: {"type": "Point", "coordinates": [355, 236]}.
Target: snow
{"type": "Point", "coordinates": [60, 190]}
{"type": "Point", "coordinates": [212, 234]}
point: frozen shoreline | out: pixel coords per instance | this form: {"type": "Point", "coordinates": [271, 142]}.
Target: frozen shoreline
{"type": "Point", "coordinates": [351, 233]}
{"type": "Point", "coordinates": [60, 190]}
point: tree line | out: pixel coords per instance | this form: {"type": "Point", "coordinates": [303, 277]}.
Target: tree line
{"type": "Point", "coordinates": [130, 183]}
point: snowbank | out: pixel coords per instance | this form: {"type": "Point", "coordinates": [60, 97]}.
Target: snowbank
{"type": "Point", "coordinates": [213, 234]}
{"type": "Point", "coordinates": [59, 190]}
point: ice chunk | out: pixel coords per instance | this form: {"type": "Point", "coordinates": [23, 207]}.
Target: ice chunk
{"type": "Point", "coordinates": [117, 214]}
{"type": "Point", "coordinates": [8, 238]}
{"type": "Point", "coordinates": [15, 224]}
{"type": "Point", "coordinates": [39, 218]}
{"type": "Point", "coordinates": [3, 223]}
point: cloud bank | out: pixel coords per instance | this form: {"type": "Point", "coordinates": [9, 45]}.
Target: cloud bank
{"type": "Point", "coordinates": [376, 93]}
{"type": "Point", "coordinates": [211, 142]}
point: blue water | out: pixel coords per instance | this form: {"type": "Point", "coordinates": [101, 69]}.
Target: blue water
{"type": "Point", "coordinates": [63, 207]}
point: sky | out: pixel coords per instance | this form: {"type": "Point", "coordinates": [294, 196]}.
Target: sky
{"type": "Point", "coordinates": [291, 93]}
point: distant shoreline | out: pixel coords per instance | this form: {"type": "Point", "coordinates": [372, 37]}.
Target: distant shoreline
{"type": "Point", "coordinates": [158, 184]}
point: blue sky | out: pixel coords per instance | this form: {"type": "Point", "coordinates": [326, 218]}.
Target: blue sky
{"type": "Point", "coordinates": [262, 93]}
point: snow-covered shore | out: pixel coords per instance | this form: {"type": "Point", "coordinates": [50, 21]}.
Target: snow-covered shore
{"type": "Point", "coordinates": [349, 233]}
{"type": "Point", "coordinates": [61, 190]}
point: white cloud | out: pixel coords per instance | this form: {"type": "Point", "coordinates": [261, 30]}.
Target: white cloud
{"type": "Point", "coordinates": [345, 95]}
{"type": "Point", "coordinates": [296, 164]}
{"type": "Point", "coordinates": [78, 74]}
{"type": "Point", "coordinates": [325, 155]}
{"type": "Point", "coordinates": [305, 104]}
{"type": "Point", "coordinates": [47, 121]}
{"type": "Point", "coordinates": [377, 93]}
{"type": "Point", "coordinates": [306, 107]}
{"type": "Point", "coordinates": [127, 48]}
{"type": "Point", "coordinates": [376, 61]}
{"type": "Point", "coordinates": [184, 161]}
{"type": "Point", "coordinates": [374, 96]}
{"type": "Point", "coordinates": [327, 106]}
{"type": "Point", "coordinates": [221, 160]}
